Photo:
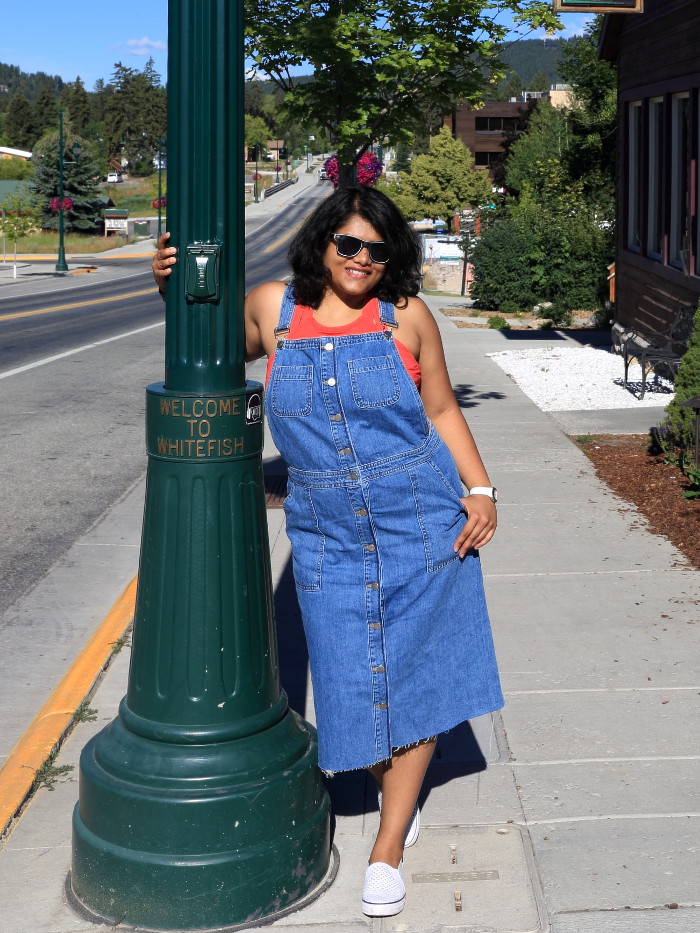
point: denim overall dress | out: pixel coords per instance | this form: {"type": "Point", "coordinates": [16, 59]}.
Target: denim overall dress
{"type": "Point", "coordinates": [396, 625]}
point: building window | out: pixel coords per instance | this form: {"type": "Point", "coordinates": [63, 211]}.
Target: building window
{"type": "Point", "coordinates": [680, 181]}
{"type": "Point", "coordinates": [486, 159]}
{"type": "Point", "coordinates": [495, 124]}
{"type": "Point", "coordinates": [634, 192]}
{"type": "Point", "coordinates": [655, 229]}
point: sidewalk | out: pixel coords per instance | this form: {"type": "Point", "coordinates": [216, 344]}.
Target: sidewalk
{"type": "Point", "coordinates": [586, 818]}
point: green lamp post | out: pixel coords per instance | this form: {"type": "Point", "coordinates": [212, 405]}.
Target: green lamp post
{"type": "Point", "coordinates": [201, 806]}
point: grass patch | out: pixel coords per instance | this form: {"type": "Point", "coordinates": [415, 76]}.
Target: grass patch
{"type": "Point", "coordinates": [48, 774]}
{"type": "Point", "coordinates": [46, 241]}
{"type": "Point", "coordinates": [583, 439]}
{"type": "Point", "coordinates": [122, 642]}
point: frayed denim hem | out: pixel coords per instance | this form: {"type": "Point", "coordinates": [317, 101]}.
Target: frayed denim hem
{"type": "Point", "coordinates": [381, 761]}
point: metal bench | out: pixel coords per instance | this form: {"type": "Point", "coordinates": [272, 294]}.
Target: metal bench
{"type": "Point", "coordinates": [660, 350]}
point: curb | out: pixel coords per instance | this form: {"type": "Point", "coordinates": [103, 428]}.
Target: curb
{"type": "Point", "coordinates": [54, 720]}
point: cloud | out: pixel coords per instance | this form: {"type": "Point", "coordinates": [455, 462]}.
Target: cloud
{"type": "Point", "coordinates": [145, 46]}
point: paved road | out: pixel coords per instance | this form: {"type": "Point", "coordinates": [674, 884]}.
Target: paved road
{"type": "Point", "coordinates": [72, 427]}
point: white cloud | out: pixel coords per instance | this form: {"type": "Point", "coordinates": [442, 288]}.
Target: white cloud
{"type": "Point", "coordinates": [145, 46]}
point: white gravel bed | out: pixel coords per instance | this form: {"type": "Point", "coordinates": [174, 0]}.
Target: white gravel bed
{"type": "Point", "coordinates": [581, 379]}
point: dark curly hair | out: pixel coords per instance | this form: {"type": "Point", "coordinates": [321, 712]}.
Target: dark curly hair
{"type": "Point", "coordinates": [402, 275]}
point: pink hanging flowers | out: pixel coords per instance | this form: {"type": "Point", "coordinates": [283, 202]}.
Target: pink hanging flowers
{"type": "Point", "coordinates": [369, 168]}
{"type": "Point", "coordinates": [56, 204]}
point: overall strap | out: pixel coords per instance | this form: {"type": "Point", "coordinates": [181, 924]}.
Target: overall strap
{"type": "Point", "coordinates": [387, 314]}
{"type": "Point", "coordinates": [286, 311]}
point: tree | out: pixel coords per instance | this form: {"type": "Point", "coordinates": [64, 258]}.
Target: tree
{"type": "Point", "coordinates": [45, 109]}
{"type": "Point", "coordinates": [80, 183]}
{"type": "Point", "coordinates": [257, 132]}
{"type": "Point", "coordinates": [544, 138]}
{"type": "Point", "coordinates": [19, 216]}
{"type": "Point", "coordinates": [380, 67]}
{"type": "Point", "coordinates": [15, 169]}
{"type": "Point", "coordinates": [593, 120]}
{"type": "Point", "coordinates": [19, 123]}
{"type": "Point", "coordinates": [441, 182]}
{"type": "Point", "coordinates": [77, 103]}
{"type": "Point", "coordinates": [513, 87]}
{"type": "Point", "coordinates": [680, 421]}
{"type": "Point", "coordinates": [539, 82]}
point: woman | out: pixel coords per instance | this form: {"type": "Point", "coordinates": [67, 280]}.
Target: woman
{"type": "Point", "coordinates": [384, 545]}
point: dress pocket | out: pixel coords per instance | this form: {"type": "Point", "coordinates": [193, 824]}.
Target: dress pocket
{"type": "Point", "coordinates": [374, 382]}
{"type": "Point", "coordinates": [291, 395]}
{"type": "Point", "coordinates": [307, 540]}
{"type": "Point", "coordinates": [440, 516]}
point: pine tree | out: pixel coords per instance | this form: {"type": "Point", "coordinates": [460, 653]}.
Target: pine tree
{"type": "Point", "coordinates": [77, 103]}
{"type": "Point", "coordinates": [539, 82]}
{"type": "Point", "coordinates": [513, 87]}
{"type": "Point", "coordinates": [119, 117]}
{"type": "Point", "coordinates": [20, 128]}
{"type": "Point", "coordinates": [79, 183]}
{"type": "Point", "coordinates": [45, 109]}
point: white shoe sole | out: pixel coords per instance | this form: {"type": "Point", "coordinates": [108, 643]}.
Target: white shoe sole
{"type": "Point", "coordinates": [383, 910]}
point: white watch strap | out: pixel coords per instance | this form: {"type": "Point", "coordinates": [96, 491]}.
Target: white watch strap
{"type": "Point", "coordinates": [481, 491]}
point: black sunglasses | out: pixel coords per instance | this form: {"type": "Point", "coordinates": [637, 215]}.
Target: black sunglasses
{"type": "Point", "coordinates": [349, 246]}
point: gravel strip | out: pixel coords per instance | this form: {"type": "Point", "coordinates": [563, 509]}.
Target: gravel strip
{"type": "Point", "coordinates": [581, 379]}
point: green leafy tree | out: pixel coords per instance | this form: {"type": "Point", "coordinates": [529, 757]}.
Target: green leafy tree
{"type": "Point", "coordinates": [80, 183]}
{"type": "Point", "coordinates": [593, 120]}
{"type": "Point", "coordinates": [441, 182]}
{"type": "Point", "coordinates": [19, 216]}
{"type": "Point", "coordinates": [257, 132]}
{"type": "Point", "coordinates": [546, 137]}
{"type": "Point", "coordinates": [20, 127]}
{"type": "Point", "coordinates": [15, 169]}
{"type": "Point", "coordinates": [379, 67]}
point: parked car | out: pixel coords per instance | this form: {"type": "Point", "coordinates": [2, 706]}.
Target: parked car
{"type": "Point", "coordinates": [163, 201]}
{"type": "Point", "coordinates": [323, 174]}
{"type": "Point", "coordinates": [114, 178]}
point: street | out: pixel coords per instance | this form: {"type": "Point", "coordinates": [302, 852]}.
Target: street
{"type": "Point", "coordinates": [73, 425]}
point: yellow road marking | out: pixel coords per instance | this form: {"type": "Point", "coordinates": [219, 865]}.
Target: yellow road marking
{"type": "Point", "coordinates": [283, 239]}
{"type": "Point", "coordinates": [56, 715]}
{"type": "Point", "coordinates": [75, 304]}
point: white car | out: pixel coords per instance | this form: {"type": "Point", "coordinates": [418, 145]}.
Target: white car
{"type": "Point", "coordinates": [113, 178]}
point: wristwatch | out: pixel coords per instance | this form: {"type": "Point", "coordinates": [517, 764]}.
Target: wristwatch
{"type": "Point", "coordinates": [489, 491]}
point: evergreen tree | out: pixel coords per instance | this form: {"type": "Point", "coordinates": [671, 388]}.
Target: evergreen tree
{"type": "Point", "coordinates": [20, 128]}
{"type": "Point", "coordinates": [120, 117]}
{"type": "Point", "coordinates": [45, 109]}
{"type": "Point", "coordinates": [539, 82]}
{"type": "Point", "coordinates": [98, 101]}
{"type": "Point", "coordinates": [79, 183]}
{"type": "Point", "coordinates": [77, 103]}
{"type": "Point", "coordinates": [402, 163]}
{"type": "Point", "coordinates": [441, 182]}
{"type": "Point", "coordinates": [545, 138]}
{"type": "Point", "coordinates": [513, 87]}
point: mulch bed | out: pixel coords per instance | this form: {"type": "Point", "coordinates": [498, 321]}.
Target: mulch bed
{"type": "Point", "coordinates": [654, 487]}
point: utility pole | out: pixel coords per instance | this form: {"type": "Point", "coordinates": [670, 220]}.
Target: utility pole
{"type": "Point", "coordinates": [201, 806]}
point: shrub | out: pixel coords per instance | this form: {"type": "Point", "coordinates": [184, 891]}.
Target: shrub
{"type": "Point", "coordinates": [502, 270]}
{"type": "Point", "coordinates": [496, 322]}
{"type": "Point", "coordinates": [681, 420]}
{"type": "Point", "coordinates": [510, 307]}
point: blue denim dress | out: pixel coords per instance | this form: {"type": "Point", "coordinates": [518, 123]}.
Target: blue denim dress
{"type": "Point", "coordinates": [396, 625]}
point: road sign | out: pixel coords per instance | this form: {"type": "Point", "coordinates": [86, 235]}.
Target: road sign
{"type": "Point", "coordinates": [602, 6]}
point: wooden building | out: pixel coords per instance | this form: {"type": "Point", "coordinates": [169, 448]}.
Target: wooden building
{"type": "Point", "coordinates": [658, 189]}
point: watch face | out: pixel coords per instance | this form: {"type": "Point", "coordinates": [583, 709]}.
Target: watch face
{"type": "Point", "coordinates": [495, 494]}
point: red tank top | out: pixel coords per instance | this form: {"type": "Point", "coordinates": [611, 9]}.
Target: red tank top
{"type": "Point", "coordinates": [304, 325]}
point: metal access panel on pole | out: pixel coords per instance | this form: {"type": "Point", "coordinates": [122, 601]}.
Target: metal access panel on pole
{"type": "Point", "coordinates": [201, 806]}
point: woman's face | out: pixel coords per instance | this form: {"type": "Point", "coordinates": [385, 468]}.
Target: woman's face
{"type": "Point", "coordinates": [354, 279]}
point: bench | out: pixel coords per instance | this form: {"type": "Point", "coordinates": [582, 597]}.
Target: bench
{"type": "Point", "coordinates": [659, 350]}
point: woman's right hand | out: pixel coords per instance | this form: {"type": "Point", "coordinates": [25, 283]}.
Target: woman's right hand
{"type": "Point", "coordinates": [163, 260]}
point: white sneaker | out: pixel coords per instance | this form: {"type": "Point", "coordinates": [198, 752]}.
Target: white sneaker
{"type": "Point", "coordinates": [413, 829]}
{"type": "Point", "coordinates": [384, 892]}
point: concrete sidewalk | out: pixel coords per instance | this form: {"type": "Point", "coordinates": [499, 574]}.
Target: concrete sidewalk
{"type": "Point", "coordinates": [586, 818]}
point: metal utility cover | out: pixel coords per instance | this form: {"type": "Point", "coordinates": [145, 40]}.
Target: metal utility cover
{"type": "Point", "coordinates": [485, 868]}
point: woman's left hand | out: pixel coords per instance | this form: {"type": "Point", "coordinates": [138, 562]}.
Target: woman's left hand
{"type": "Point", "coordinates": [480, 525]}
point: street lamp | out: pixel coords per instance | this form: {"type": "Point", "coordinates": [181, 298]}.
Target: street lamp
{"type": "Point", "coordinates": [255, 177]}
{"type": "Point", "coordinates": [61, 265]}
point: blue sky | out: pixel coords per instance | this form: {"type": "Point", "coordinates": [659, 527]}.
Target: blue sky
{"type": "Point", "coordinates": [77, 37]}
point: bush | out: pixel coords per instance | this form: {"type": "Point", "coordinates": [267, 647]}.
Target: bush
{"type": "Point", "coordinates": [510, 307]}
{"type": "Point", "coordinates": [502, 270]}
{"type": "Point", "coordinates": [496, 322]}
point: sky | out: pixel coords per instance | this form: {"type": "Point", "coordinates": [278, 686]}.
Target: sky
{"type": "Point", "coordinates": [83, 37]}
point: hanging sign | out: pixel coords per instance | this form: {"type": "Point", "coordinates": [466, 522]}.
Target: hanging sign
{"type": "Point", "coordinates": [602, 6]}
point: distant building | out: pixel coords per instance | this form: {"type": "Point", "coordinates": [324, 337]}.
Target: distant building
{"type": "Point", "coordinates": [658, 176]}
{"type": "Point", "coordinates": [488, 132]}
{"type": "Point", "coordinates": [7, 153]}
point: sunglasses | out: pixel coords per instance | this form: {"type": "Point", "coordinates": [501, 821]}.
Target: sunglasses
{"type": "Point", "coordinates": [349, 246]}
